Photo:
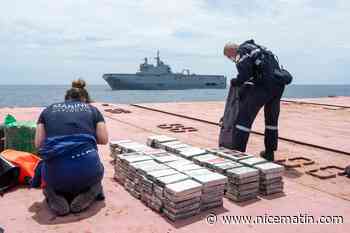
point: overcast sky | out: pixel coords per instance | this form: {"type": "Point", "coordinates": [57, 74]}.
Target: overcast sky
{"type": "Point", "coordinates": [53, 42]}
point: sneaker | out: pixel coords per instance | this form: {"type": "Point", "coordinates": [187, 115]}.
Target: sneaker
{"type": "Point", "coordinates": [84, 200]}
{"type": "Point", "coordinates": [58, 204]}
{"type": "Point", "coordinates": [268, 155]}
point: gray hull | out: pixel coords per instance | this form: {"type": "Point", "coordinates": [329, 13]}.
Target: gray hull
{"type": "Point", "coordinates": [164, 82]}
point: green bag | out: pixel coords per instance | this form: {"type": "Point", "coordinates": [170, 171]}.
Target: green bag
{"type": "Point", "coordinates": [19, 135]}
{"type": "Point", "coordinates": [9, 119]}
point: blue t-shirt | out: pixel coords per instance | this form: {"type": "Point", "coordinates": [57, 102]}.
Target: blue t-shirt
{"type": "Point", "coordinates": [70, 117]}
{"type": "Point", "coordinates": [72, 174]}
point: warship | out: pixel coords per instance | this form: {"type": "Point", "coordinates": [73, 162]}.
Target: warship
{"type": "Point", "coordinates": [160, 77]}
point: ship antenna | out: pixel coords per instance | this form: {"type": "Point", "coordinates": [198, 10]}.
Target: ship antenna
{"type": "Point", "coordinates": [158, 58]}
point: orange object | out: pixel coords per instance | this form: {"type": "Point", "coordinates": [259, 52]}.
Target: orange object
{"type": "Point", "coordinates": [27, 163]}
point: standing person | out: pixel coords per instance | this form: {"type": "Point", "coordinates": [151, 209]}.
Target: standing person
{"type": "Point", "coordinates": [259, 87]}
{"type": "Point", "coordinates": [67, 136]}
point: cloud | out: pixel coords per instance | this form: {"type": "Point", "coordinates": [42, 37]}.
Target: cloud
{"type": "Point", "coordinates": [61, 39]}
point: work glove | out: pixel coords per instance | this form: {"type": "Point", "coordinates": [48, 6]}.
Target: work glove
{"type": "Point", "coordinates": [234, 82]}
{"type": "Point", "coordinates": [221, 122]}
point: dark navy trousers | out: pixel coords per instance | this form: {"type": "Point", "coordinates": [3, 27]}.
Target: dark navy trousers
{"type": "Point", "coordinates": [253, 98]}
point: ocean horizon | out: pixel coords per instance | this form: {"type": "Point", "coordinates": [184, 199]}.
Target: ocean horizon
{"type": "Point", "coordinates": [44, 95]}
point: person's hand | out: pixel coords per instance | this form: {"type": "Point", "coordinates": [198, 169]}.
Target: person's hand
{"type": "Point", "coordinates": [221, 122]}
{"type": "Point", "coordinates": [234, 82]}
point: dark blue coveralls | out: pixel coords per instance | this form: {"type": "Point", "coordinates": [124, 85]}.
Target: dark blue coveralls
{"type": "Point", "coordinates": [259, 88]}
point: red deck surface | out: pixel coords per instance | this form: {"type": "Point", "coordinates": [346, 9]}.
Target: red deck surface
{"type": "Point", "coordinates": [24, 210]}
{"type": "Point", "coordinates": [321, 125]}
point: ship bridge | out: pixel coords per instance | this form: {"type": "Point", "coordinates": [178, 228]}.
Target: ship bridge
{"type": "Point", "coordinates": [150, 69]}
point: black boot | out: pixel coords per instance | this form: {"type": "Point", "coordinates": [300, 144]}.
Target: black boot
{"type": "Point", "coordinates": [268, 155]}
{"type": "Point", "coordinates": [347, 171]}
{"type": "Point", "coordinates": [84, 200]}
{"type": "Point", "coordinates": [58, 204]}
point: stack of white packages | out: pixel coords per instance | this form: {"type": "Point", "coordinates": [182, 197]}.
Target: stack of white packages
{"type": "Point", "coordinates": [158, 194]}
{"type": "Point", "coordinates": [243, 184]}
{"type": "Point", "coordinates": [156, 140]}
{"type": "Point", "coordinates": [160, 182]}
{"type": "Point", "coordinates": [115, 149]}
{"type": "Point", "coordinates": [222, 168]}
{"type": "Point", "coordinates": [147, 173]}
{"type": "Point", "coordinates": [171, 176]}
{"type": "Point", "coordinates": [233, 155]}
{"type": "Point", "coordinates": [152, 151]}
{"type": "Point", "coordinates": [216, 150]}
{"type": "Point", "coordinates": [122, 148]}
{"type": "Point", "coordinates": [146, 184]}
{"type": "Point", "coordinates": [190, 152]}
{"type": "Point", "coordinates": [121, 167]}
{"type": "Point", "coordinates": [213, 188]}
{"type": "Point", "coordinates": [182, 199]}
{"type": "Point", "coordinates": [203, 159]}
{"type": "Point", "coordinates": [270, 178]}
{"type": "Point", "coordinates": [251, 162]}
{"type": "Point", "coordinates": [165, 157]}
{"type": "Point", "coordinates": [152, 179]}
{"type": "Point", "coordinates": [133, 182]}
{"type": "Point", "coordinates": [178, 163]}
{"type": "Point", "coordinates": [129, 147]}
{"type": "Point", "coordinates": [183, 167]}
{"type": "Point", "coordinates": [197, 172]}
{"type": "Point", "coordinates": [212, 163]}
{"type": "Point", "coordinates": [154, 175]}
{"type": "Point", "coordinates": [174, 146]}
{"type": "Point", "coordinates": [165, 180]}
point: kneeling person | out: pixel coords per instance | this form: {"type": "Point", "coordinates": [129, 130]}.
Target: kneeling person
{"type": "Point", "coordinates": [67, 136]}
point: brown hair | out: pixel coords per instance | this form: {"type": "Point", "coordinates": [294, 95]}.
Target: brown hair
{"type": "Point", "coordinates": [78, 92]}
{"type": "Point", "coordinates": [80, 83]}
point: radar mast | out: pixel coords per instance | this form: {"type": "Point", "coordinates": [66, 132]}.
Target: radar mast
{"type": "Point", "coordinates": [157, 58]}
